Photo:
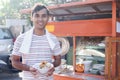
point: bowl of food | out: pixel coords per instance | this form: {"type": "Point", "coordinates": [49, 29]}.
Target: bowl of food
{"type": "Point", "coordinates": [43, 67]}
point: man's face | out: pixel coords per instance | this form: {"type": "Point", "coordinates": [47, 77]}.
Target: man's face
{"type": "Point", "coordinates": [40, 19]}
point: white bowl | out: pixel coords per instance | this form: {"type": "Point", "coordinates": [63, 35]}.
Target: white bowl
{"type": "Point", "coordinates": [43, 70]}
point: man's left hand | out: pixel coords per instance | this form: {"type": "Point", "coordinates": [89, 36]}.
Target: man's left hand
{"type": "Point", "coordinates": [50, 72]}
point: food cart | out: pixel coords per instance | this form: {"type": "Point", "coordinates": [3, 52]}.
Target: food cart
{"type": "Point", "coordinates": [88, 18]}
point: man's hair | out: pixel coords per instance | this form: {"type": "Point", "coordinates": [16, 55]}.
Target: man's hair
{"type": "Point", "coordinates": [37, 7]}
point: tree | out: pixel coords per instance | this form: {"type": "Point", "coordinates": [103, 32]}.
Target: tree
{"type": "Point", "coordinates": [11, 8]}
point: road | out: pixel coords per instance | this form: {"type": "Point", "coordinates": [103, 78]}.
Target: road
{"type": "Point", "coordinates": [5, 76]}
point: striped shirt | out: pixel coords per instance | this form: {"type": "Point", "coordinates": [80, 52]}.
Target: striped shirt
{"type": "Point", "coordinates": [39, 51]}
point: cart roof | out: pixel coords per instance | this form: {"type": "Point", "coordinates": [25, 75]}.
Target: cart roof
{"type": "Point", "coordinates": [79, 8]}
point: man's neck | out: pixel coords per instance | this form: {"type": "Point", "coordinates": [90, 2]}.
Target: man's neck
{"type": "Point", "coordinates": [39, 32]}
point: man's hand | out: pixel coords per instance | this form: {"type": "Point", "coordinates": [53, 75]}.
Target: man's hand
{"type": "Point", "coordinates": [33, 71]}
{"type": "Point", "coordinates": [50, 72]}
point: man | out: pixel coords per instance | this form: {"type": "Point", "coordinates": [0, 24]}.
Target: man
{"type": "Point", "coordinates": [35, 46]}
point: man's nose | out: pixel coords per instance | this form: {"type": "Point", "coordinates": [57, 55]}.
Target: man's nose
{"type": "Point", "coordinates": [40, 18]}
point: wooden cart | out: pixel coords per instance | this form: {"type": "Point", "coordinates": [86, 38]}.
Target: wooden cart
{"type": "Point", "coordinates": [100, 26]}
{"type": "Point", "coordinates": [101, 17]}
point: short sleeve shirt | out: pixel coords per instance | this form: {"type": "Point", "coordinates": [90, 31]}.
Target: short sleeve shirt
{"type": "Point", "coordinates": [39, 51]}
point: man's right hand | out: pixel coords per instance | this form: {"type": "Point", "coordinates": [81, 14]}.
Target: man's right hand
{"type": "Point", "coordinates": [33, 71]}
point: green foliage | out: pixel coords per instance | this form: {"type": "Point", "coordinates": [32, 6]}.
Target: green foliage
{"type": "Point", "coordinates": [10, 8]}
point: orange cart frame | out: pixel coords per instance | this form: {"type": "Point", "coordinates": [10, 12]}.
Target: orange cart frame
{"type": "Point", "coordinates": [91, 27]}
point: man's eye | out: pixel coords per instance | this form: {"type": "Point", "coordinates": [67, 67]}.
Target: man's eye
{"type": "Point", "coordinates": [44, 15]}
{"type": "Point", "coordinates": [36, 15]}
